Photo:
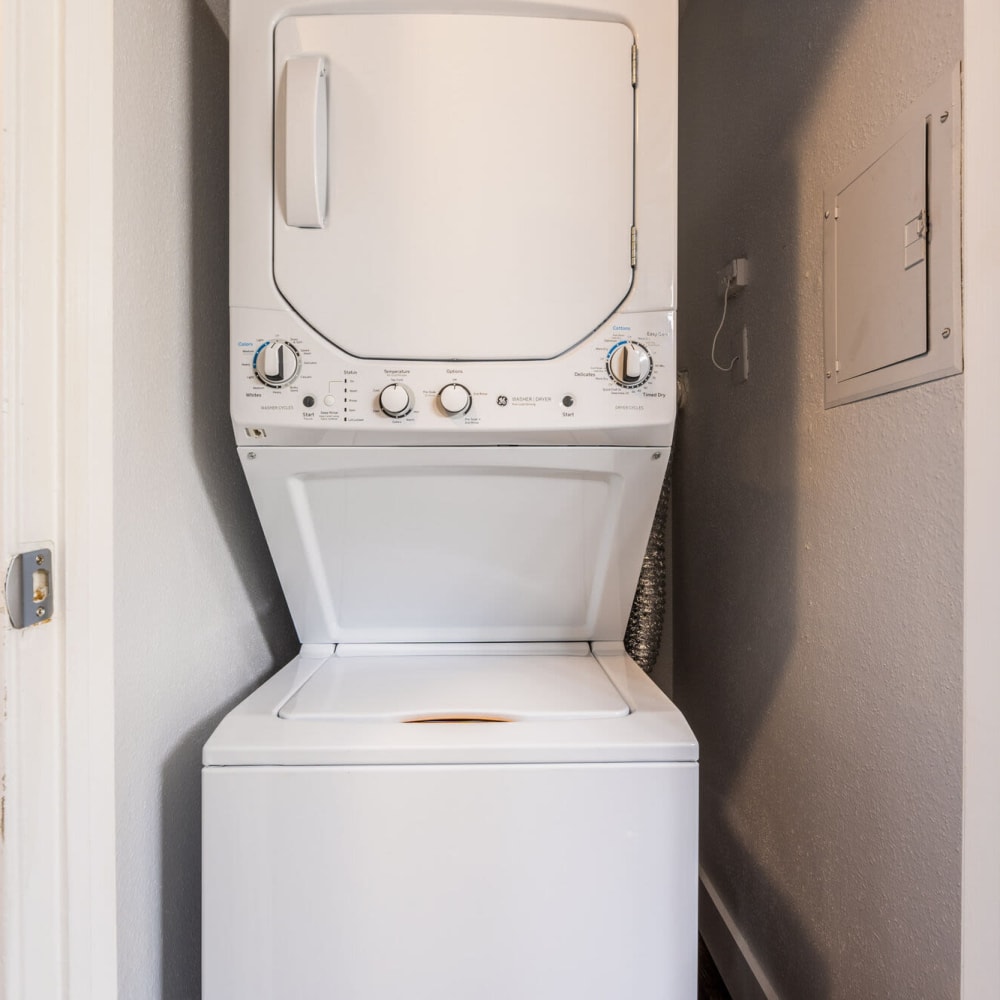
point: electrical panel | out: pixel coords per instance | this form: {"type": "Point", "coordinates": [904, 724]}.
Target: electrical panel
{"type": "Point", "coordinates": [892, 293]}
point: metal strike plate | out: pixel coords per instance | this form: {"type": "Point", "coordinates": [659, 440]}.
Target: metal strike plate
{"type": "Point", "coordinates": [29, 588]}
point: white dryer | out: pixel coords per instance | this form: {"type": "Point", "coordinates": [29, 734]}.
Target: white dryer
{"type": "Point", "coordinates": [452, 287]}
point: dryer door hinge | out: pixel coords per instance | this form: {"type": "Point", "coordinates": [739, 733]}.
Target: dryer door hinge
{"type": "Point", "coordinates": [635, 64]}
{"type": "Point", "coordinates": [633, 246]}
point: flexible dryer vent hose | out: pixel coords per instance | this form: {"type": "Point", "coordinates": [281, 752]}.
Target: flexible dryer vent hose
{"type": "Point", "coordinates": [645, 620]}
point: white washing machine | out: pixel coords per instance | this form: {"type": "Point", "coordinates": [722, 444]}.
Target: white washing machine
{"type": "Point", "coordinates": [453, 381]}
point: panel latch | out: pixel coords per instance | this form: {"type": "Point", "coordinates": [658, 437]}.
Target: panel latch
{"type": "Point", "coordinates": [28, 592]}
{"type": "Point", "coordinates": [915, 240]}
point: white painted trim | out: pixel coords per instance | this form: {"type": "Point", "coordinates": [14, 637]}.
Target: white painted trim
{"type": "Point", "coordinates": [741, 972]}
{"type": "Point", "coordinates": [981, 238]}
{"type": "Point", "coordinates": [57, 898]}
{"type": "Point", "coordinates": [31, 670]}
{"type": "Point", "coordinates": [88, 586]}
{"type": "Point", "coordinates": [6, 915]}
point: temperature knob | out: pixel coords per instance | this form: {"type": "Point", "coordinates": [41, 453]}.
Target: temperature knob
{"type": "Point", "coordinates": [455, 399]}
{"type": "Point", "coordinates": [629, 363]}
{"type": "Point", "coordinates": [276, 363]}
{"type": "Point", "coordinates": [395, 400]}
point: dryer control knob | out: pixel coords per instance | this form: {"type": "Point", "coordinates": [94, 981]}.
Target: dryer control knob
{"type": "Point", "coordinates": [276, 363]}
{"type": "Point", "coordinates": [455, 399]}
{"type": "Point", "coordinates": [395, 400]}
{"type": "Point", "coordinates": [629, 363]}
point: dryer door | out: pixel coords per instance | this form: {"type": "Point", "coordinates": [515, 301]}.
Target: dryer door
{"type": "Point", "coordinates": [453, 186]}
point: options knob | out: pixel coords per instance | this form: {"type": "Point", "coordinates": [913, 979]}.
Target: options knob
{"type": "Point", "coordinates": [276, 363]}
{"type": "Point", "coordinates": [629, 363]}
{"type": "Point", "coordinates": [395, 400]}
{"type": "Point", "coordinates": [455, 399]}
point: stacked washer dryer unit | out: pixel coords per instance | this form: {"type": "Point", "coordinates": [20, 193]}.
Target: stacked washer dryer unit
{"type": "Point", "coordinates": [453, 381]}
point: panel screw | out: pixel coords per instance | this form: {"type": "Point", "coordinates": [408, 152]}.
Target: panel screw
{"type": "Point", "coordinates": [944, 117]}
{"type": "Point", "coordinates": [39, 612]}
{"type": "Point", "coordinates": [657, 455]}
{"type": "Point", "coordinates": [829, 374]}
{"type": "Point", "coordinates": [39, 560]}
{"type": "Point", "coordinates": [251, 455]}
{"type": "Point", "coordinates": [946, 332]}
{"type": "Point", "coordinates": [826, 214]}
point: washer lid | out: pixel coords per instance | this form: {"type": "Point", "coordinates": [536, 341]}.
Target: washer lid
{"type": "Point", "coordinates": [456, 685]}
{"type": "Point", "coordinates": [453, 186]}
{"type": "Point", "coordinates": [260, 731]}
{"type": "Point", "coordinates": [458, 544]}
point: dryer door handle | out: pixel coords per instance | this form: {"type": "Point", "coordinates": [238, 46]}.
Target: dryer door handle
{"type": "Point", "coordinates": [306, 141]}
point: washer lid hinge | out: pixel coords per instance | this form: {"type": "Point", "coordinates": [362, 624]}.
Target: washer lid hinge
{"type": "Point", "coordinates": [633, 246]}
{"type": "Point", "coordinates": [635, 64]}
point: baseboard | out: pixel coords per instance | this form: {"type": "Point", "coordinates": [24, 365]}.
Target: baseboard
{"type": "Point", "coordinates": [740, 970]}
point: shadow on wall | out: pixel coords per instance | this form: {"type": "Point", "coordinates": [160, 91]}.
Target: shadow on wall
{"type": "Point", "coordinates": [218, 466]}
{"type": "Point", "coordinates": [215, 451]}
{"type": "Point", "coordinates": [735, 478]}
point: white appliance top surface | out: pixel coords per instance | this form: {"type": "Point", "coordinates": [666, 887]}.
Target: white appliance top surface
{"type": "Point", "coordinates": [353, 685]}
{"type": "Point", "coordinates": [586, 705]}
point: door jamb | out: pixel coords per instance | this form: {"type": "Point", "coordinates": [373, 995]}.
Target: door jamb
{"type": "Point", "coordinates": [57, 851]}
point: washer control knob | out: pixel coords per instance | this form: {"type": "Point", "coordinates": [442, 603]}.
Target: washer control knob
{"type": "Point", "coordinates": [395, 400]}
{"type": "Point", "coordinates": [455, 399]}
{"type": "Point", "coordinates": [276, 363]}
{"type": "Point", "coordinates": [629, 363]}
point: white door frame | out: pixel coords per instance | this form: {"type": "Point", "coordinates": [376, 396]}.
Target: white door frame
{"type": "Point", "coordinates": [981, 604]}
{"type": "Point", "coordinates": [57, 860]}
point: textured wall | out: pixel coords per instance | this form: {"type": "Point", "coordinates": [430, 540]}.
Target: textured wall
{"type": "Point", "coordinates": [199, 615]}
{"type": "Point", "coordinates": [818, 568]}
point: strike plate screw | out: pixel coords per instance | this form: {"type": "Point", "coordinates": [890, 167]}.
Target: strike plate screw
{"type": "Point", "coordinates": [946, 332]}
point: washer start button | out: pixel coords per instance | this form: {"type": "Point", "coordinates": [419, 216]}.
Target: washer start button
{"type": "Point", "coordinates": [568, 401]}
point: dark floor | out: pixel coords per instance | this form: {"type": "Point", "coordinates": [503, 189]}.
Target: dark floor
{"type": "Point", "coordinates": [710, 984]}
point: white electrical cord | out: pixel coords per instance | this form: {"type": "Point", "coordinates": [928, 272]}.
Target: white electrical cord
{"type": "Point", "coordinates": [715, 339]}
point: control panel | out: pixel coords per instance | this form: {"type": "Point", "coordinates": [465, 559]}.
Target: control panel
{"type": "Point", "coordinates": [290, 386]}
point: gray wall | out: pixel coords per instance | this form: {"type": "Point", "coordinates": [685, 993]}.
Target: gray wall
{"type": "Point", "coordinates": [199, 616]}
{"type": "Point", "coordinates": [818, 573]}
